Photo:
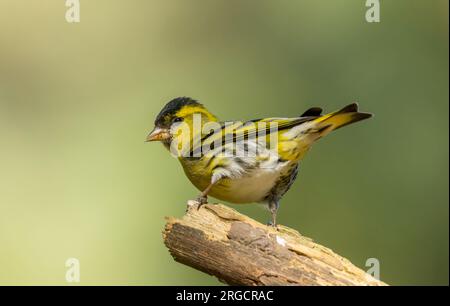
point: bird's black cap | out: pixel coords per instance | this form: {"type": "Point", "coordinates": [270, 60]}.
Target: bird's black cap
{"type": "Point", "coordinates": [172, 107]}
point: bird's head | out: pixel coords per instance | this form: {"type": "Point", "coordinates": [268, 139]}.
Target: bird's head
{"type": "Point", "coordinates": [176, 112]}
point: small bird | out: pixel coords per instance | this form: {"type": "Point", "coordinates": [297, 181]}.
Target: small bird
{"type": "Point", "coordinates": [243, 161]}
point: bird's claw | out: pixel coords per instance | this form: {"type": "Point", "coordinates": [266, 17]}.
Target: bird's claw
{"type": "Point", "coordinates": [201, 200]}
{"type": "Point", "coordinates": [273, 225]}
{"type": "Point", "coordinates": [198, 202]}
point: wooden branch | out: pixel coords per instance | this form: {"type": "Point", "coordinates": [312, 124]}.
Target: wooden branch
{"type": "Point", "coordinates": [238, 250]}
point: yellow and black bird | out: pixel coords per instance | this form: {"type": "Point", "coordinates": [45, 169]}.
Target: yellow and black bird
{"type": "Point", "coordinates": [243, 162]}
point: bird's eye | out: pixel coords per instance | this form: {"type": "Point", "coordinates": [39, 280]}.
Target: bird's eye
{"type": "Point", "coordinates": [177, 119]}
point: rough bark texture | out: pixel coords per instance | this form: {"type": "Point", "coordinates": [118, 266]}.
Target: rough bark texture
{"type": "Point", "coordinates": [238, 250]}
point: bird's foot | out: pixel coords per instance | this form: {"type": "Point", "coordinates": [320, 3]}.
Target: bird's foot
{"type": "Point", "coordinates": [273, 225]}
{"type": "Point", "coordinates": [198, 202]}
{"type": "Point", "coordinates": [201, 200]}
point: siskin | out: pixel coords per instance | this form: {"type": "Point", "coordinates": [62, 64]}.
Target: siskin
{"type": "Point", "coordinates": [243, 162]}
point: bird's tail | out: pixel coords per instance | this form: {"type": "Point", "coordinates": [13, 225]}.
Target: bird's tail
{"type": "Point", "coordinates": [340, 118]}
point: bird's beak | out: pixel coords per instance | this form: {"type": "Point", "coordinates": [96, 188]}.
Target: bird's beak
{"type": "Point", "coordinates": [158, 134]}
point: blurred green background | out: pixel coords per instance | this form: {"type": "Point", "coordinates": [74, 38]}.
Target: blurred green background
{"type": "Point", "coordinates": [77, 100]}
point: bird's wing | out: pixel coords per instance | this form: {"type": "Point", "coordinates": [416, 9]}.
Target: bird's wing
{"type": "Point", "coordinates": [236, 131]}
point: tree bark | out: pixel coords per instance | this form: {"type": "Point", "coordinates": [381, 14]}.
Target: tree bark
{"type": "Point", "coordinates": [238, 250]}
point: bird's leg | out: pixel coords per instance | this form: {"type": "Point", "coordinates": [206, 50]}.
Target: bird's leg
{"type": "Point", "coordinates": [203, 197]}
{"type": "Point", "coordinates": [273, 208]}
